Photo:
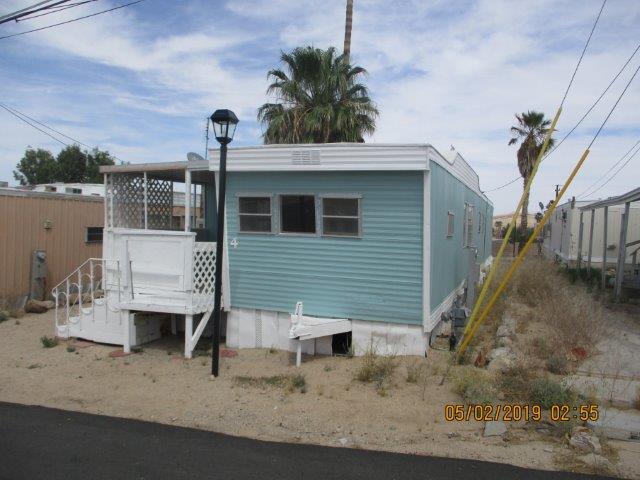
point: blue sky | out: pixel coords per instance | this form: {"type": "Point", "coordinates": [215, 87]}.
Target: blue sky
{"type": "Point", "coordinates": [141, 80]}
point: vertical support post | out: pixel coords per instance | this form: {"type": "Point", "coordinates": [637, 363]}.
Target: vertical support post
{"type": "Point", "coordinates": [590, 251]}
{"type": "Point", "coordinates": [187, 200]}
{"type": "Point", "coordinates": [174, 326]}
{"type": "Point", "coordinates": [146, 201]}
{"type": "Point", "coordinates": [106, 200]}
{"type": "Point", "coordinates": [188, 334]}
{"type": "Point", "coordinates": [126, 324]}
{"type": "Point", "coordinates": [299, 353]}
{"type": "Point", "coordinates": [622, 249]}
{"type": "Point", "coordinates": [222, 187]}
{"type": "Point", "coordinates": [604, 248]}
{"type": "Point", "coordinates": [580, 232]}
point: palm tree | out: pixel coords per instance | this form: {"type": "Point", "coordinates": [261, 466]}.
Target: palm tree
{"type": "Point", "coordinates": [319, 100]}
{"type": "Point", "coordinates": [530, 131]}
{"type": "Point", "coordinates": [346, 51]}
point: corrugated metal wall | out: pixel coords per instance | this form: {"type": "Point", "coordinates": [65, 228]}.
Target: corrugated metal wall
{"type": "Point", "coordinates": [449, 258]}
{"type": "Point", "coordinates": [22, 220]}
{"type": "Point", "coordinates": [376, 277]}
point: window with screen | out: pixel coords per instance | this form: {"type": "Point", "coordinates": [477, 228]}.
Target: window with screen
{"type": "Point", "coordinates": [297, 214]}
{"type": "Point", "coordinates": [94, 235]}
{"type": "Point", "coordinates": [341, 217]}
{"type": "Point", "coordinates": [254, 214]}
{"type": "Point", "coordinates": [450, 224]}
{"type": "Point", "coordinates": [468, 225]}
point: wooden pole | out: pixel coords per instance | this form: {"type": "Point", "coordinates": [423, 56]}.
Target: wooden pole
{"type": "Point", "coordinates": [622, 250]}
{"type": "Point", "coordinates": [604, 248]}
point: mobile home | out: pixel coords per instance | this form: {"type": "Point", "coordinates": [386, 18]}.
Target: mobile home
{"type": "Point", "coordinates": [320, 240]}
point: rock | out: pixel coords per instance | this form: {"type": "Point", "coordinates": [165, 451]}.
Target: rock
{"type": "Point", "coordinates": [582, 439]}
{"type": "Point", "coordinates": [505, 342]}
{"type": "Point", "coordinates": [595, 461]}
{"type": "Point", "coordinates": [37, 306]}
{"type": "Point", "coordinates": [501, 359]}
{"type": "Point", "coordinates": [504, 331]}
{"type": "Point", "coordinates": [343, 441]}
{"type": "Point", "coordinates": [494, 428]}
{"type": "Point", "coordinates": [453, 434]}
{"type": "Point", "coordinates": [16, 313]}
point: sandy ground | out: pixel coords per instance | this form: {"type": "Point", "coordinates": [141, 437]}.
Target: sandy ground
{"type": "Point", "coordinates": [159, 385]}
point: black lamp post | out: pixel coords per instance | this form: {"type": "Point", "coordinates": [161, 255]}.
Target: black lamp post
{"type": "Point", "coordinates": [224, 126]}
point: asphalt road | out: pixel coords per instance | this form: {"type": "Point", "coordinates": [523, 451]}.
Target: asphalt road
{"type": "Point", "coordinates": [44, 443]}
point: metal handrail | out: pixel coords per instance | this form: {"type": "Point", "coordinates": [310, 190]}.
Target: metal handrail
{"type": "Point", "coordinates": [67, 285]}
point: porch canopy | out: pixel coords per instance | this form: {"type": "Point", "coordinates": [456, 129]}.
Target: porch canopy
{"type": "Point", "coordinates": [633, 280]}
{"type": "Point", "coordinates": [145, 196]}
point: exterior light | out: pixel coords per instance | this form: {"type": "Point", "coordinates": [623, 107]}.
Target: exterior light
{"type": "Point", "coordinates": [224, 126]}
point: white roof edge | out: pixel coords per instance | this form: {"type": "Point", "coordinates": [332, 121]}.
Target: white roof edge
{"type": "Point", "coordinates": [424, 152]}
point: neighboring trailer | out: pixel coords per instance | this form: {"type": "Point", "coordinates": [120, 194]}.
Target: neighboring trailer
{"type": "Point", "coordinates": [562, 233]}
{"type": "Point", "coordinates": [383, 235]}
{"type": "Point", "coordinates": [68, 228]}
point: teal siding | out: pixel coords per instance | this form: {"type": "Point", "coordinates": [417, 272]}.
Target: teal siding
{"type": "Point", "coordinates": [376, 277]}
{"type": "Point", "coordinates": [449, 258]}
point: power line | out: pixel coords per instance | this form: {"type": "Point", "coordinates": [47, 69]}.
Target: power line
{"type": "Point", "coordinates": [73, 20]}
{"type": "Point", "coordinates": [29, 10]}
{"type": "Point", "coordinates": [44, 125]}
{"type": "Point", "coordinates": [584, 192]}
{"type": "Point", "coordinates": [57, 9]}
{"type": "Point", "coordinates": [584, 116]}
{"type": "Point", "coordinates": [617, 171]}
{"type": "Point", "coordinates": [34, 126]}
{"type": "Point", "coordinates": [27, 119]}
{"type": "Point", "coordinates": [583, 52]}
{"type": "Point", "coordinates": [502, 186]}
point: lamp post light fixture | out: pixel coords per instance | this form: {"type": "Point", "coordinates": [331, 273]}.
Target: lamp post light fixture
{"type": "Point", "coordinates": [224, 126]}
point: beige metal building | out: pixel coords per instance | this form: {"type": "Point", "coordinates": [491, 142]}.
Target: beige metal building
{"type": "Point", "coordinates": [67, 227]}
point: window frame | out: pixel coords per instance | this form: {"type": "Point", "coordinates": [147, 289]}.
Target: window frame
{"type": "Point", "coordinates": [467, 225]}
{"type": "Point", "coordinates": [270, 214]}
{"type": "Point", "coordinates": [340, 196]}
{"type": "Point", "coordinates": [86, 235]}
{"type": "Point", "coordinates": [279, 196]}
{"type": "Point", "coordinates": [451, 224]}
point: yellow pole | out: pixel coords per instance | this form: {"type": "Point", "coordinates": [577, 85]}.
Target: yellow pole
{"type": "Point", "coordinates": [519, 258]}
{"type": "Point", "coordinates": [505, 240]}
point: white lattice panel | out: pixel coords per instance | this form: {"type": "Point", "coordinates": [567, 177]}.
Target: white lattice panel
{"type": "Point", "coordinates": [204, 273]}
{"type": "Point", "coordinates": [159, 204]}
{"type": "Point", "coordinates": [126, 197]}
{"type": "Point", "coordinates": [127, 202]}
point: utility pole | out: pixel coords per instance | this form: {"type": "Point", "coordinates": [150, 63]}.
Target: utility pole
{"type": "Point", "coordinates": [558, 189]}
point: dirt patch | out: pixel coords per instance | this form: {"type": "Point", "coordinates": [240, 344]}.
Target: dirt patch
{"type": "Point", "coordinates": [335, 409]}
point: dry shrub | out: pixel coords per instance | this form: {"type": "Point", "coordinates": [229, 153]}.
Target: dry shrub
{"type": "Point", "coordinates": [474, 385]}
{"type": "Point", "coordinates": [576, 317]}
{"type": "Point", "coordinates": [533, 281]}
{"type": "Point", "coordinates": [516, 382]}
{"type": "Point", "coordinates": [546, 392]}
{"type": "Point", "coordinates": [290, 383]}
{"type": "Point", "coordinates": [414, 372]}
{"type": "Point", "coordinates": [376, 369]}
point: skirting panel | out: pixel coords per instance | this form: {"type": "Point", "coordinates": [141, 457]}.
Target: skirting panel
{"type": "Point", "coordinates": [253, 328]}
